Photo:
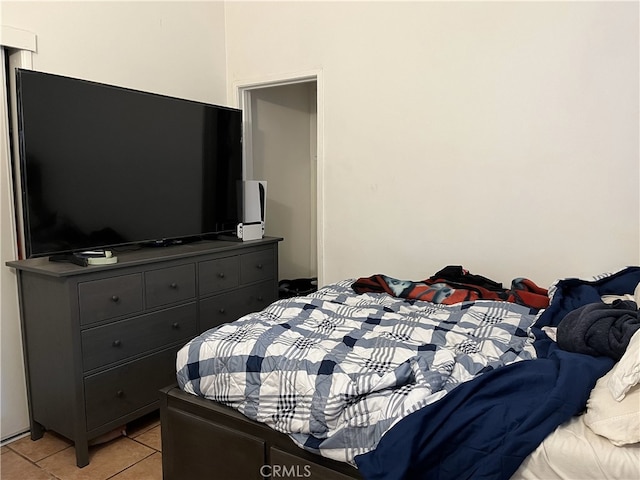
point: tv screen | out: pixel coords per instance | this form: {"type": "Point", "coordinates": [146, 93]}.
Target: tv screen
{"type": "Point", "coordinates": [103, 166]}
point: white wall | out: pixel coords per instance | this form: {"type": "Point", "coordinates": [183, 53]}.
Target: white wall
{"type": "Point", "coordinates": [172, 48]}
{"type": "Point", "coordinates": [502, 136]}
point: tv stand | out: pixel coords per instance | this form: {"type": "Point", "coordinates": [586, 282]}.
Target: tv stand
{"type": "Point", "coordinates": [100, 341]}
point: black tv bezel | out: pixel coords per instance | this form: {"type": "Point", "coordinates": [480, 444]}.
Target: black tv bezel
{"type": "Point", "coordinates": [143, 242]}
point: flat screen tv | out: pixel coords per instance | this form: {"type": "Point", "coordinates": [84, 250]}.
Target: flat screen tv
{"type": "Point", "coordinates": [104, 166]}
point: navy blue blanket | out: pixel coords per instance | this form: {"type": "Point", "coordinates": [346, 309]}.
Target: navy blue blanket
{"type": "Point", "coordinates": [485, 428]}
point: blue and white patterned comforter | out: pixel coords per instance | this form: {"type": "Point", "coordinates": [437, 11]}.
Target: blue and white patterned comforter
{"type": "Point", "coordinates": [335, 370]}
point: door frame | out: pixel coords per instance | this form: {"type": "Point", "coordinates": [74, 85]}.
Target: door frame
{"type": "Point", "coordinates": [242, 94]}
{"type": "Point", "coordinates": [19, 45]}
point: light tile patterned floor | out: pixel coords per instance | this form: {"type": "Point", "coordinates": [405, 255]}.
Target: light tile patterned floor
{"type": "Point", "coordinates": [134, 457]}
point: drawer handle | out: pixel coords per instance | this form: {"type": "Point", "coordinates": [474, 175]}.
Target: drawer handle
{"type": "Point", "coordinates": [175, 325]}
{"type": "Point", "coordinates": [117, 343]}
{"type": "Point", "coordinates": [260, 298]}
{"type": "Point", "coordinates": [120, 394]}
{"type": "Point", "coordinates": [115, 298]}
{"type": "Point", "coordinates": [221, 310]}
{"type": "Point", "coordinates": [173, 285]}
{"type": "Point", "coordinates": [259, 266]}
{"type": "Point", "coordinates": [221, 275]}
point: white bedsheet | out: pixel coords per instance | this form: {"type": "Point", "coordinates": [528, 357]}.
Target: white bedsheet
{"type": "Point", "coordinates": [574, 452]}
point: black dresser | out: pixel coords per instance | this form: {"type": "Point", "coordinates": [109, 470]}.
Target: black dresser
{"type": "Point", "coordinates": [100, 341]}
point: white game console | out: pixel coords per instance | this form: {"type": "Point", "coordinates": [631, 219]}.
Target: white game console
{"type": "Point", "coordinates": [254, 198]}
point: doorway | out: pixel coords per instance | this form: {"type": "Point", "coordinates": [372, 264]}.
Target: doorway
{"type": "Point", "coordinates": [282, 146]}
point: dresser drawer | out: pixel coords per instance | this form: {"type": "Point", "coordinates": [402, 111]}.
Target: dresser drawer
{"type": "Point", "coordinates": [217, 275]}
{"type": "Point", "coordinates": [259, 296]}
{"type": "Point", "coordinates": [257, 266]}
{"type": "Point", "coordinates": [120, 391]}
{"type": "Point", "coordinates": [228, 307]}
{"type": "Point", "coordinates": [110, 297]}
{"type": "Point", "coordinates": [170, 285]}
{"type": "Point", "coordinates": [117, 341]}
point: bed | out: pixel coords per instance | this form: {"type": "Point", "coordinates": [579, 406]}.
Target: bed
{"type": "Point", "coordinates": [452, 377]}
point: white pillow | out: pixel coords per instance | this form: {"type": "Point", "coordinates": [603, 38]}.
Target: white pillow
{"type": "Point", "coordinates": [626, 373]}
{"type": "Point", "coordinates": [613, 407]}
{"type": "Point", "coordinates": [617, 421]}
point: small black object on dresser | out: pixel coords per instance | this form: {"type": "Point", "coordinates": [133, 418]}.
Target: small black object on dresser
{"type": "Point", "coordinates": [100, 341]}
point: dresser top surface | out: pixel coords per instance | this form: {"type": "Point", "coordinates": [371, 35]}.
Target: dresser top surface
{"type": "Point", "coordinates": [138, 256]}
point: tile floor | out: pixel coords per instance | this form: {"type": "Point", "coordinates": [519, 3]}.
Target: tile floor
{"type": "Point", "coordinates": [134, 457]}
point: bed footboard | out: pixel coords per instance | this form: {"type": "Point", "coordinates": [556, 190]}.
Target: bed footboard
{"type": "Point", "coordinates": [202, 439]}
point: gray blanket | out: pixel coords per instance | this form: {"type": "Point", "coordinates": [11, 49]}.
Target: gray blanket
{"type": "Point", "coordinates": [599, 329]}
